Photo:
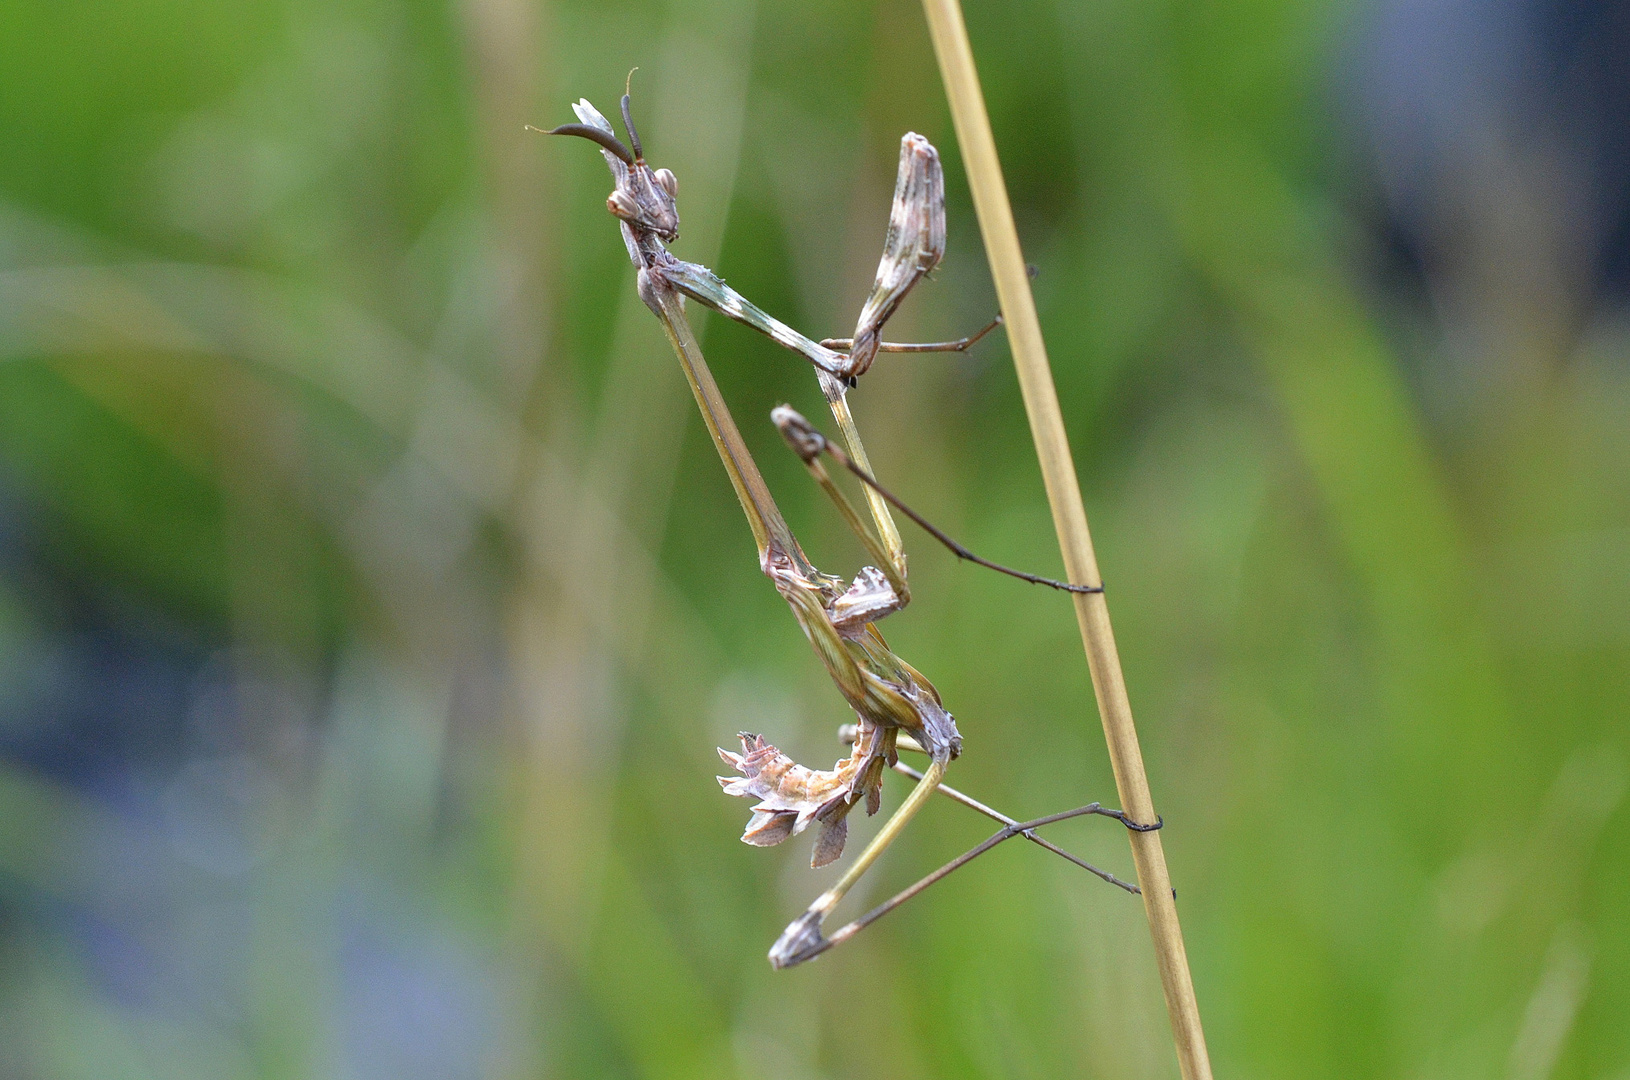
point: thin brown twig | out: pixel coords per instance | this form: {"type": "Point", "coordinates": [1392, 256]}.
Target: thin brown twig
{"type": "Point", "coordinates": [996, 226]}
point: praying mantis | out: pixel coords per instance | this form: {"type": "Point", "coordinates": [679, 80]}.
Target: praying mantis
{"type": "Point", "coordinates": [895, 705]}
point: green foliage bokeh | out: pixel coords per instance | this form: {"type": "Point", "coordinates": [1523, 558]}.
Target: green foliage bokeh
{"type": "Point", "coordinates": [310, 356]}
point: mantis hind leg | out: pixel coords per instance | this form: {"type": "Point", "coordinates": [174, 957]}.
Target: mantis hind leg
{"type": "Point", "coordinates": [802, 937]}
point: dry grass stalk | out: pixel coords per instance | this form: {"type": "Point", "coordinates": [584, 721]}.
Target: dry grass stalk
{"type": "Point", "coordinates": [951, 46]}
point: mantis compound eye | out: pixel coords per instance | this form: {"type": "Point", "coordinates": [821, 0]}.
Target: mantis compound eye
{"type": "Point", "coordinates": [667, 181]}
{"type": "Point", "coordinates": [622, 204]}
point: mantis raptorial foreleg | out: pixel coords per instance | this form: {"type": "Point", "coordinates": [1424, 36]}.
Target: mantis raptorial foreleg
{"type": "Point", "coordinates": [890, 698]}
{"type": "Point", "coordinates": [912, 246]}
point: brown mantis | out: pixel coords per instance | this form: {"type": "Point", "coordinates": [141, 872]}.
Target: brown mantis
{"type": "Point", "coordinates": [896, 707]}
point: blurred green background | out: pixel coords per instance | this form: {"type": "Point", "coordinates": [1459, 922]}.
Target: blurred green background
{"type": "Point", "coordinates": [371, 600]}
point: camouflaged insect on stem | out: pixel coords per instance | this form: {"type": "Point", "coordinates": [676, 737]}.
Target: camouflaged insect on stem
{"type": "Point", "coordinates": [889, 697]}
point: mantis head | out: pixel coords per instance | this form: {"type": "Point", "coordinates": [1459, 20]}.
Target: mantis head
{"type": "Point", "coordinates": [644, 197]}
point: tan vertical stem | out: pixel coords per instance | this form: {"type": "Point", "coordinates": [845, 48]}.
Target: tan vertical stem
{"type": "Point", "coordinates": [973, 131]}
